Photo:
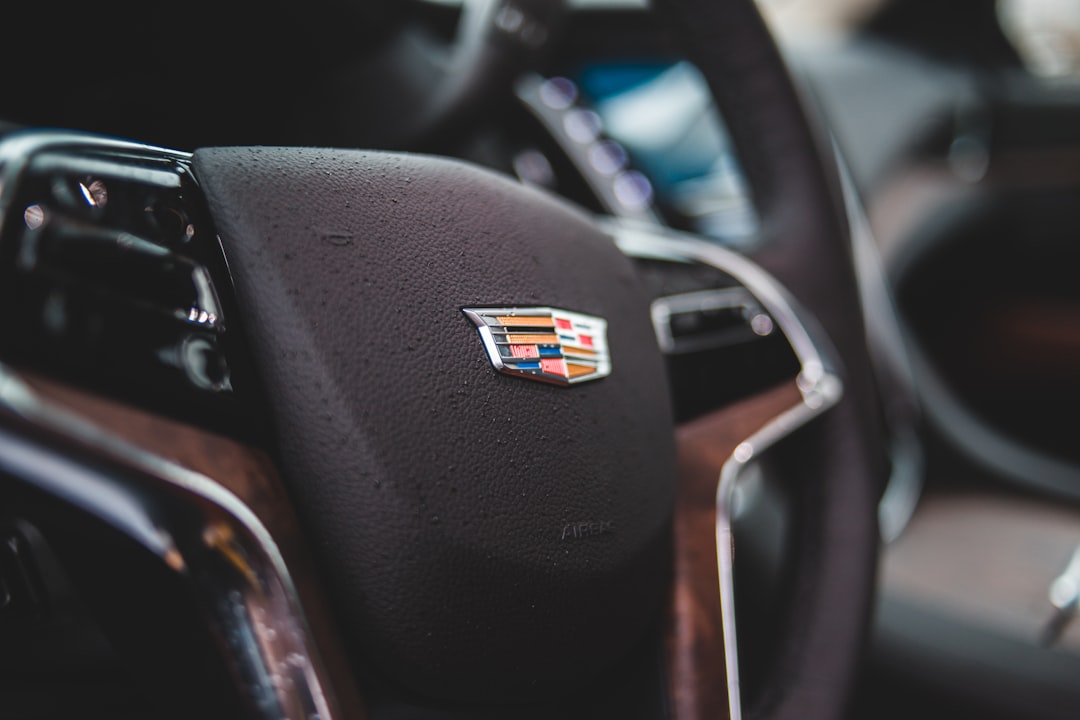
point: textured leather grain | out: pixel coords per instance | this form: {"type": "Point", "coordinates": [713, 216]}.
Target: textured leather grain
{"type": "Point", "coordinates": [437, 491]}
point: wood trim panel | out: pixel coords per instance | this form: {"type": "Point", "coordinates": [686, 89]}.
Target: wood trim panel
{"type": "Point", "coordinates": [246, 472]}
{"type": "Point", "coordinates": [694, 634]}
{"type": "Point", "coordinates": [697, 675]}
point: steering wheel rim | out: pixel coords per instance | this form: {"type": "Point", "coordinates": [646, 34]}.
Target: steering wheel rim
{"type": "Point", "coordinates": [792, 171]}
{"type": "Point", "coordinates": [793, 185]}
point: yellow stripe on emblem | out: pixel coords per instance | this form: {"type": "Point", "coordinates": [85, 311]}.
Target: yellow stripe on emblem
{"type": "Point", "coordinates": [525, 321]}
{"type": "Point", "coordinates": [576, 370]}
{"type": "Point", "coordinates": [533, 339]}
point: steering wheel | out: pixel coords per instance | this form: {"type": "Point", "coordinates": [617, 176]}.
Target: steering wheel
{"type": "Point", "coordinates": [471, 421]}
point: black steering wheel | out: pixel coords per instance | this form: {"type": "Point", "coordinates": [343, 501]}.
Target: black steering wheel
{"type": "Point", "coordinates": [485, 507]}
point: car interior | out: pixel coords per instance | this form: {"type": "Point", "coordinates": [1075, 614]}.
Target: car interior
{"type": "Point", "coordinates": [255, 460]}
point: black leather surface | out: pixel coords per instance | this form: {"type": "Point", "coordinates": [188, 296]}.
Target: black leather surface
{"type": "Point", "coordinates": [793, 176]}
{"type": "Point", "coordinates": [437, 490]}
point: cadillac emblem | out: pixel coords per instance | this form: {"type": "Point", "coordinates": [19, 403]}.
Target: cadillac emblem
{"type": "Point", "coordinates": [544, 343]}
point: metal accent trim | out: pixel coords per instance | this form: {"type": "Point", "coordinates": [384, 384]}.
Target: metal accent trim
{"type": "Point", "coordinates": [733, 298]}
{"type": "Point", "coordinates": [819, 385]}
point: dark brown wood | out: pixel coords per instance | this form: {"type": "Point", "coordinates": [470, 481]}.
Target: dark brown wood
{"type": "Point", "coordinates": [695, 643]}
{"type": "Point", "coordinates": [246, 472]}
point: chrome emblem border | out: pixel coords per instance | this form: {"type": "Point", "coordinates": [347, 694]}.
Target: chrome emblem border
{"type": "Point", "coordinates": [547, 344]}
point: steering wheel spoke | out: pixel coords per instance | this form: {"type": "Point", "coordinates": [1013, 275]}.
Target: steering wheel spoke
{"type": "Point", "coordinates": [713, 450]}
{"type": "Point", "coordinates": [702, 654]}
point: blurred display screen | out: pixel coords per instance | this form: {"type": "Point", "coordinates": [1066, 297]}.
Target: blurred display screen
{"type": "Point", "coordinates": [663, 115]}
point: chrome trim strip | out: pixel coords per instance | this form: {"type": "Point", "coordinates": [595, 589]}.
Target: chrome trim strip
{"type": "Point", "coordinates": [820, 387]}
{"type": "Point", "coordinates": [67, 163]}
{"type": "Point", "coordinates": [17, 148]}
{"type": "Point", "coordinates": [22, 143]}
{"type": "Point", "coordinates": [732, 298]}
{"type": "Point", "coordinates": [647, 241]}
{"type": "Point", "coordinates": [827, 394]}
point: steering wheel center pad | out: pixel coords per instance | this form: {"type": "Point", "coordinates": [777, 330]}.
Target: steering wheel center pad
{"type": "Point", "coordinates": [436, 491]}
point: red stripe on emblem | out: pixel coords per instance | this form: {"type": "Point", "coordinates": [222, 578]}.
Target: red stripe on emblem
{"type": "Point", "coordinates": [554, 366]}
{"type": "Point", "coordinates": [563, 324]}
{"type": "Point", "coordinates": [524, 351]}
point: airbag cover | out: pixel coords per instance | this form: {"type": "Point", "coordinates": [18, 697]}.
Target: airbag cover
{"type": "Point", "coordinates": [484, 538]}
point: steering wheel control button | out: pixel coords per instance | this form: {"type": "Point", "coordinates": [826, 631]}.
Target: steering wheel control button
{"type": "Point", "coordinates": [698, 321]}
{"type": "Point", "coordinates": [108, 251]}
{"type": "Point", "coordinates": [543, 343]}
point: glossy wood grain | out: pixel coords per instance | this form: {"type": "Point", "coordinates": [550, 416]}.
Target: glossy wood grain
{"type": "Point", "coordinates": [695, 642]}
{"type": "Point", "coordinates": [246, 472]}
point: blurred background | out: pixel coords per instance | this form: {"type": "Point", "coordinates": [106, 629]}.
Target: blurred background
{"type": "Point", "coordinates": [960, 123]}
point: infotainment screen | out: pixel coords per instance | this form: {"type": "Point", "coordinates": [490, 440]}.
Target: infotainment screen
{"type": "Point", "coordinates": [663, 115]}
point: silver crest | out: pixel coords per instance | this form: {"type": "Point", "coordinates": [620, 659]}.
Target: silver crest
{"type": "Point", "coordinates": [544, 343]}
